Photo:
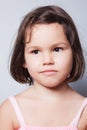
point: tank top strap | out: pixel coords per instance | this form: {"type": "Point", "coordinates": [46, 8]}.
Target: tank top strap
{"type": "Point", "coordinates": [17, 110]}
{"type": "Point", "coordinates": [78, 116]}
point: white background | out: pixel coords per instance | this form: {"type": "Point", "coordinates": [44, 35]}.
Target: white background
{"type": "Point", "coordinates": [11, 14]}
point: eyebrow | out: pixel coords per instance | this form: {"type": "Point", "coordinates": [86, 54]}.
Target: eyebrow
{"type": "Point", "coordinates": [55, 44]}
{"type": "Point", "coordinates": [61, 43]}
{"type": "Point", "coordinates": [33, 47]}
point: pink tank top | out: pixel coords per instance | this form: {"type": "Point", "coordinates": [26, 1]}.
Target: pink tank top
{"type": "Point", "coordinates": [73, 125]}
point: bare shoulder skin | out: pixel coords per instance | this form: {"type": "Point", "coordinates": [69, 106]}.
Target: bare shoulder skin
{"type": "Point", "coordinates": [12, 124]}
{"type": "Point", "coordinates": [83, 120]}
{"type": "Point", "coordinates": [8, 119]}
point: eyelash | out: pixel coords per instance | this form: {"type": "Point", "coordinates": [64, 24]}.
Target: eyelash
{"type": "Point", "coordinates": [57, 49]}
{"type": "Point", "coordinates": [35, 51]}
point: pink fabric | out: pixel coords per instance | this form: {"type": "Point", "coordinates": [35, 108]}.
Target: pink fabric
{"type": "Point", "coordinates": [48, 128]}
{"type": "Point", "coordinates": [73, 125]}
{"type": "Point", "coordinates": [17, 111]}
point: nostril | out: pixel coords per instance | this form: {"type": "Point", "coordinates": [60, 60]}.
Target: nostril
{"type": "Point", "coordinates": [48, 61]}
{"type": "Point", "coordinates": [47, 58]}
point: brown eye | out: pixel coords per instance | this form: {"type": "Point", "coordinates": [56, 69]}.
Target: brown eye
{"type": "Point", "coordinates": [35, 51]}
{"type": "Point", "coordinates": [57, 49]}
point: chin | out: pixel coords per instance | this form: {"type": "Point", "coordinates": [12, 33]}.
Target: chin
{"type": "Point", "coordinates": [51, 84]}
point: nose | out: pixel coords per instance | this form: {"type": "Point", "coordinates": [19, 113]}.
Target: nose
{"type": "Point", "coordinates": [48, 59]}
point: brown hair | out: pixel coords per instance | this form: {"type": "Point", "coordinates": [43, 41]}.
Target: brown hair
{"type": "Point", "coordinates": [46, 15]}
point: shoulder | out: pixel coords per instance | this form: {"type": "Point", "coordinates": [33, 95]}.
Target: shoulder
{"type": "Point", "coordinates": [6, 111]}
{"type": "Point", "coordinates": [85, 114]}
{"type": "Point", "coordinates": [5, 107]}
{"type": "Point", "coordinates": [83, 119]}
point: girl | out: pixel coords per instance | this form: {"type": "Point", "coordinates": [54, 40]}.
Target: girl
{"type": "Point", "coordinates": [47, 55]}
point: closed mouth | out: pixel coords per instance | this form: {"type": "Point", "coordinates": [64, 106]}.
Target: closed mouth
{"type": "Point", "coordinates": [49, 72]}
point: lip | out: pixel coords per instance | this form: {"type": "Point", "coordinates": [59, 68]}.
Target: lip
{"type": "Point", "coordinates": [48, 72]}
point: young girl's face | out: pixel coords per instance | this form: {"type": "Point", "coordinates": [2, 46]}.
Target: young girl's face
{"type": "Point", "coordinates": [48, 55]}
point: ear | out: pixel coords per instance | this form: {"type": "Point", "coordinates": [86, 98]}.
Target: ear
{"type": "Point", "coordinates": [25, 65]}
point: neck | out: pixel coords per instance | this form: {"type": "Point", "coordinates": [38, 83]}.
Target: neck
{"type": "Point", "coordinates": [51, 93]}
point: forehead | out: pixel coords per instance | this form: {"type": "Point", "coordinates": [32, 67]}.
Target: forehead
{"type": "Point", "coordinates": [46, 33]}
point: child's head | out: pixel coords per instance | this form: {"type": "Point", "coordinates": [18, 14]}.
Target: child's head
{"type": "Point", "coordinates": [45, 15]}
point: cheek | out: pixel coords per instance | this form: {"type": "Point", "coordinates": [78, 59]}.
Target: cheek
{"type": "Point", "coordinates": [31, 64]}
{"type": "Point", "coordinates": [66, 62]}
{"type": "Point", "coordinates": [68, 65]}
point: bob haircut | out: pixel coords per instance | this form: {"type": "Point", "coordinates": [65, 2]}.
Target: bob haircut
{"type": "Point", "coordinates": [46, 15]}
